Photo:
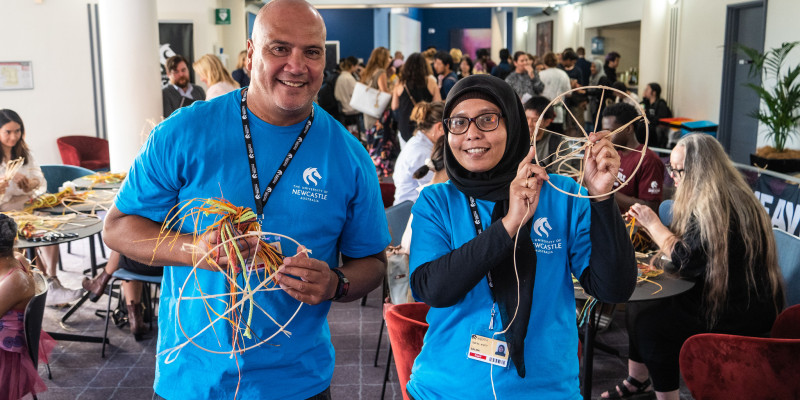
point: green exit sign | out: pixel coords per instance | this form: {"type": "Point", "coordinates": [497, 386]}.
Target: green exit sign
{"type": "Point", "coordinates": [222, 16]}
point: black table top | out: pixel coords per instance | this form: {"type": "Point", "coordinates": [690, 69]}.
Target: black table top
{"type": "Point", "coordinates": [659, 287]}
{"type": "Point", "coordinates": [81, 225]}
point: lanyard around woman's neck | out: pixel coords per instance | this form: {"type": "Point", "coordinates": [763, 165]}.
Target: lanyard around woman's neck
{"type": "Point", "coordinates": [261, 200]}
{"type": "Point", "coordinates": [476, 220]}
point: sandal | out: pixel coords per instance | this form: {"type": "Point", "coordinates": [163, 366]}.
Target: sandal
{"type": "Point", "coordinates": [621, 391]}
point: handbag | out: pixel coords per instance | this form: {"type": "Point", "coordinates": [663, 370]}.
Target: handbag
{"type": "Point", "coordinates": [397, 274]}
{"type": "Point", "coordinates": [369, 101]}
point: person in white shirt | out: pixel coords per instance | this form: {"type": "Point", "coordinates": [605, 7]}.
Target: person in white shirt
{"type": "Point", "coordinates": [428, 117]}
{"type": "Point", "coordinates": [27, 183]}
{"type": "Point", "coordinates": [556, 81]}
{"type": "Point", "coordinates": [345, 85]}
{"type": "Point", "coordinates": [211, 71]}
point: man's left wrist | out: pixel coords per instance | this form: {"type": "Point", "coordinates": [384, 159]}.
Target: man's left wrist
{"type": "Point", "coordinates": [342, 286]}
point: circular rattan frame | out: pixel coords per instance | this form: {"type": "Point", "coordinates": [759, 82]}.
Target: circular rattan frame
{"type": "Point", "coordinates": [560, 99]}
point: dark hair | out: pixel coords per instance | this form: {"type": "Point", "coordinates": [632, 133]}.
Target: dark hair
{"type": "Point", "coordinates": [539, 103]}
{"type": "Point", "coordinates": [469, 62]}
{"type": "Point", "coordinates": [613, 56]}
{"type": "Point", "coordinates": [414, 71]}
{"type": "Point", "coordinates": [446, 58]}
{"type": "Point", "coordinates": [504, 54]}
{"type": "Point", "coordinates": [622, 113]}
{"type": "Point", "coordinates": [656, 88]}
{"type": "Point", "coordinates": [481, 53]}
{"type": "Point", "coordinates": [8, 235]}
{"type": "Point", "coordinates": [550, 60]}
{"type": "Point", "coordinates": [437, 159]}
{"type": "Point", "coordinates": [346, 63]}
{"type": "Point", "coordinates": [426, 115]}
{"type": "Point", "coordinates": [581, 51]}
{"type": "Point", "coordinates": [21, 148]}
{"type": "Point", "coordinates": [174, 61]}
{"type": "Point", "coordinates": [620, 86]}
{"type": "Point", "coordinates": [519, 54]}
{"type": "Point", "coordinates": [569, 54]}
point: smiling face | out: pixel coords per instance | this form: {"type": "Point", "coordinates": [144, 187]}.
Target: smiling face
{"type": "Point", "coordinates": [10, 134]}
{"type": "Point", "coordinates": [286, 57]}
{"type": "Point", "coordinates": [476, 150]}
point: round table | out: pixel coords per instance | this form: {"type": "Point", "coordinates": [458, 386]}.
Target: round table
{"type": "Point", "coordinates": [98, 200]}
{"type": "Point", "coordinates": [82, 225]}
{"type": "Point", "coordinates": [83, 183]}
{"type": "Point", "coordinates": [644, 291]}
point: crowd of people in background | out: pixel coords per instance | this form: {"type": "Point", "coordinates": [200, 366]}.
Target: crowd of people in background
{"type": "Point", "coordinates": [473, 132]}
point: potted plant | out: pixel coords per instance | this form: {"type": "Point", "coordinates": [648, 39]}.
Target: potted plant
{"type": "Point", "coordinates": [780, 110]}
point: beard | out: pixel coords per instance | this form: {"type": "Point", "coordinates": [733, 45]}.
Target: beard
{"type": "Point", "coordinates": [182, 83]}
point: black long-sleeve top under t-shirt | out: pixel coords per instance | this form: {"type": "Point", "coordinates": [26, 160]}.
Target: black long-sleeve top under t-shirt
{"type": "Point", "coordinates": [610, 276]}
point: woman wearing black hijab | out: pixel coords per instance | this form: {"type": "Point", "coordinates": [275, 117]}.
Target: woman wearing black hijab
{"type": "Point", "coordinates": [481, 290]}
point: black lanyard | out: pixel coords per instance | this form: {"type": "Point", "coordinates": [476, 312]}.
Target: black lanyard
{"type": "Point", "coordinates": [476, 219]}
{"type": "Point", "coordinates": [261, 200]}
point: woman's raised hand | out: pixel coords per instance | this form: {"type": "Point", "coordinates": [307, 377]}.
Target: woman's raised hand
{"type": "Point", "coordinates": [644, 216]}
{"type": "Point", "coordinates": [601, 165]}
{"type": "Point", "coordinates": [523, 195]}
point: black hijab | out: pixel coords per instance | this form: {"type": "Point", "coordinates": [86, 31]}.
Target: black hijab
{"type": "Point", "coordinates": [493, 185]}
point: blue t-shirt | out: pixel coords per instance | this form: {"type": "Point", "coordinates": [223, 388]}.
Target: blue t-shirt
{"type": "Point", "coordinates": [560, 233]}
{"type": "Point", "coordinates": [328, 200]}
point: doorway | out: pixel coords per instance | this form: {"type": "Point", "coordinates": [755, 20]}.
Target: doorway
{"type": "Point", "coordinates": [738, 131]}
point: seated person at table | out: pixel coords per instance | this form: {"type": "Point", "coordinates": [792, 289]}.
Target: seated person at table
{"type": "Point", "coordinates": [645, 188]}
{"type": "Point", "coordinates": [132, 290]}
{"type": "Point", "coordinates": [547, 142]}
{"type": "Point", "coordinates": [722, 238]}
{"type": "Point", "coordinates": [27, 183]}
{"type": "Point", "coordinates": [489, 223]}
{"type": "Point", "coordinates": [18, 376]}
{"type": "Point", "coordinates": [428, 117]}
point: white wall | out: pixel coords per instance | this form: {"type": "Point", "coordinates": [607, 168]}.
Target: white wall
{"type": "Point", "coordinates": [54, 35]}
{"type": "Point", "coordinates": [782, 26]}
{"type": "Point", "coordinates": [700, 51]}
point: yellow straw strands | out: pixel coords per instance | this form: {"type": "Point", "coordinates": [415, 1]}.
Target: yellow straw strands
{"type": "Point", "coordinates": [249, 270]}
{"type": "Point", "coordinates": [106, 177]}
{"type": "Point", "coordinates": [53, 199]}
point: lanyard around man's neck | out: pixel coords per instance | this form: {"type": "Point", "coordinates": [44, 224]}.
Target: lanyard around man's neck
{"type": "Point", "coordinates": [261, 200]}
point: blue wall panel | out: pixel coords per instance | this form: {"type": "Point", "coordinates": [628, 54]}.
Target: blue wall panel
{"type": "Point", "coordinates": [445, 19]}
{"type": "Point", "coordinates": [354, 29]}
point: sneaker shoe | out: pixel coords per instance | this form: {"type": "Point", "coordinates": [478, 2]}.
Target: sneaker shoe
{"type": "Point", "coordinates": [58, 294]}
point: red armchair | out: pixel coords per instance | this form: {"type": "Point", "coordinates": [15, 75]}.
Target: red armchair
{"type": "Point", "coordinates": [787, 325]}
{"type": "Point", "coordinates": [717, 366]}
{"type": "Point", "coordinates": [84, 151]}
{"type": "Point", "coordinates": [406, 325]}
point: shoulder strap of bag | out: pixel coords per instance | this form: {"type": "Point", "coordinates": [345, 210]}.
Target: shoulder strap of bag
{"type": "Point", "coordinates": [413, 102]}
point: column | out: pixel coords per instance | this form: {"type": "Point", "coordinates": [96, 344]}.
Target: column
{"type": "Point", "coordinates": [131, 76]}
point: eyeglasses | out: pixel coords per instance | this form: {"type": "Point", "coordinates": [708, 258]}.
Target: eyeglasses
{"type": "Point", "coordinates": [673, 171]}
{"type": "Point", "coordinates": [485, 122]}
